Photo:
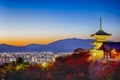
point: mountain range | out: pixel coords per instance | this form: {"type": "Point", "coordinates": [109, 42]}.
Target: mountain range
{"type": "Point", "coordinates": [64, 45]}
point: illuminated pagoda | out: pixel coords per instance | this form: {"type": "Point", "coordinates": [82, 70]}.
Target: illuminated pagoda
{"type": "Point", "coordinates": [100, 36]}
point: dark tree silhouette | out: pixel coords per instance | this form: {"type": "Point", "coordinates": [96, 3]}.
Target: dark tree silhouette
{"type": "Point", "coordinates": [19, 60]}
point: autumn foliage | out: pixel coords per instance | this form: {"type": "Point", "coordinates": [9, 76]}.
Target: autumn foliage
{"type": "Point", "coordinates": [74, 66]}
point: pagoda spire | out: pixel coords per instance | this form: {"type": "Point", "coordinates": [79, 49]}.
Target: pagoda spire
{"type": "Point", "coordinates": [100, 23]}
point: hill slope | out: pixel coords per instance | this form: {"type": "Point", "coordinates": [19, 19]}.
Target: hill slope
{"type": "Point", "coordinates": [65, 45]}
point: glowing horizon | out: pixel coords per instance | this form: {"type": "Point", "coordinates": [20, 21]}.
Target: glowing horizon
{"type": "Point", "coordinates": [27, 41]}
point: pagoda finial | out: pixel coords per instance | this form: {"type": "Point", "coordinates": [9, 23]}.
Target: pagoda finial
{"type": "Point", "coordinates": [100, 23]}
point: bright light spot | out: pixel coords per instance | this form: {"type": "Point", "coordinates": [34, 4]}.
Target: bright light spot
{"type": "Point", "coordinates": [113, 51]}
{"type": "Point", "coordinates": [44, 64]}
{"type": "Point", "coordinates": [53, 59]}
{"type": "Point", "coordinates": [94, 54]}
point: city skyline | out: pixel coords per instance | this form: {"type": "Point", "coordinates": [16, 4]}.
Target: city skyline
{"type": "Point", "coordinates": [35, 21]}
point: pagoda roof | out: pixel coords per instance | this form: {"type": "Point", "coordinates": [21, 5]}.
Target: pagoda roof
{"type": "Point", "coordinates": [101, 32]}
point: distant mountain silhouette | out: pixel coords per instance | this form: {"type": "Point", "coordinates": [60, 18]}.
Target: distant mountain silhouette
{"type": "Point", "coordinates": [65, 45]}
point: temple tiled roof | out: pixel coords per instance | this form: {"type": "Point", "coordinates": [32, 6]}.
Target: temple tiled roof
{"type": "Point", "coordinates": [111, 45]}
{"type": "Point", "coordinates": [101, 32]}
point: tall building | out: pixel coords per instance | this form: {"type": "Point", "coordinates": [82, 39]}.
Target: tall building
{"type": "Point", "coordinates": [100, 36]}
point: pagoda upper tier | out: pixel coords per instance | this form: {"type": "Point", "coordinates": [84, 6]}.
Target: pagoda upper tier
{"type": "Point", "coordinates": [100, 31]}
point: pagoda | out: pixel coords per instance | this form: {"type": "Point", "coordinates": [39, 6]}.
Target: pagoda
{"type": "Point", "coordinates": [100, 36]}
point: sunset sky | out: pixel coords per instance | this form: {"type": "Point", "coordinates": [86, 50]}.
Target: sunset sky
{"type": "Point", "coordinates": [43, 21]}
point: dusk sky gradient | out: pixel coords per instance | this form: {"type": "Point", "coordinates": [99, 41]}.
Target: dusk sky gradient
{"type": "Point", "coordinates": [43, 21]}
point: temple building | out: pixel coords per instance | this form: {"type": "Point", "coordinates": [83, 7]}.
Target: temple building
{"type": "Point", "coordinates": [100, 37]}
{"type": "Point", "coordinates": [111, 50]}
